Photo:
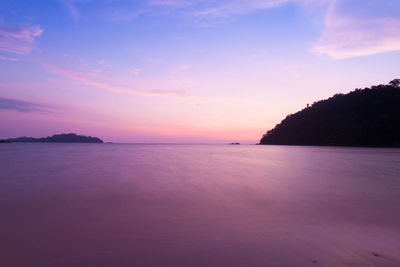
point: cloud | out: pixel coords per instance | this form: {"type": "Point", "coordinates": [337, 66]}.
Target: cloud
{"type": "Point", "coordinates": [174, 3]}
{"type": "Point", "coordinates": [8, 58]}
{"type": "Point", "coordinates": [200, 10]}
{"type": "Point", "coordinates": [225, 8]}
{"type": "Point", "coordinates": [73, 10]}
{"type": "Point", "coordinates": [356, 28]}
{"type": "Point", "coordinates": [351, 27]}
{"type": "Point", "coordinates": [135, 71]}
{"type": "Point", "coordinates": [184, 67]}
{"type": "Point", "coordinates": [164, 63]}
{"type": "Point", "coordinates": [236, 7]}
{"type": "Point", "coordinates": [21, 106]}
{"type": "Point", "coordinates": [18, 40]}
{"type": "Point", "coordinates": [90, 80]}
{"type": "Point", "coordinates": [96, 71]}
{"type": "Point", "coordinates": [103, 63]}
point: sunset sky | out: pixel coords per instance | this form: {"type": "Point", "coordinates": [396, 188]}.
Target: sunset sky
{"type": "Point", "coordinates": [209, 71]}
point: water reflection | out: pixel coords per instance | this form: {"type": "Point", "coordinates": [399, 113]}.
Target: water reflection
{"type": "Point", "coordinates": [198, 205]}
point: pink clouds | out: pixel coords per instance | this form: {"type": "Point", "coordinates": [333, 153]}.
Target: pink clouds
{"type": "Point", "coordinates": [8, 58]}
{"type": "Point", "coordinates": [351, 28]}
{"type": "Point", "coordinates": [349, 34]}
{"type": "Point", "coordinates": [135, 71]}
{"type": "Point", "coordinates": [103, 63]}
{"type": "Point", "coordinates": [92, 79]}
{"type": "Point", "coordinates": [18, 40]}
{"type": "Point", "coordinates": [96, 71]}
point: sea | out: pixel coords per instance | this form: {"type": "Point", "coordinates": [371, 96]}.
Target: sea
{"type": "Point", "coordinates": [198, 205]}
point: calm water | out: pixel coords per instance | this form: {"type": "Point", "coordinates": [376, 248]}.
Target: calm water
{"type": "Point", "coordinates": [198, 205]}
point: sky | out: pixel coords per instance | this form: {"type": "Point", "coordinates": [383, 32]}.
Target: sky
{"type": "Point", "coordinates": [185, 71]}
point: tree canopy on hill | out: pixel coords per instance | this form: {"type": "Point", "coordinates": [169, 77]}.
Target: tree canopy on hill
{"type": "Point", "coordinates": [363, 117]}
{"type": "Point", "coordinates": [57, 138]}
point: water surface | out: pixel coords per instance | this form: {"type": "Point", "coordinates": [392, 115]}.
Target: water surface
{"type": "Point", "coordinates": [198, 205]}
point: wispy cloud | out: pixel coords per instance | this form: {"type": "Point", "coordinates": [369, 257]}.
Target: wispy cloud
{"type": "Point", "coordinates": [18, 40]}
{"type": "Point", "coordinates": [103, 63]}
{"type": "Point", "coordinates": [235, 7]}
{"type": "Point", "coordinates": [89, 79]}
{"type": "Point", "coordinates": [164, 63]}
{"type": "Point", "coordinates": [8, 58]}
{"type": "Point", "coordinates": [201, 10]}
{"type": "Point", "coordinates": [225, 8]}
{"type": "Point", "coordinates": [96, 71]}
{"type": "Point", "coordinates": [355, 28]}
{"type": "Point", "coordinates": [135, 71]}
{"type": "Point", "coordinates": [174, 3]}
{"type": "Point", "coordinates": [351, 27]}
{"type": "Point", "coordinates": [71, 6]}
{"type": "Point", "coordinates": [21, 106]}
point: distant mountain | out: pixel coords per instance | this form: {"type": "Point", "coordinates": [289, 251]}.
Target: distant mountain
{"type": "Point", "coordinates": [57, 138]}
{"type": "Point", "coordinates": [363, 117]}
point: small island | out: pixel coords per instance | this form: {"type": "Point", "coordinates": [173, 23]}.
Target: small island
{"type": "Point", "coordinates": [368, 117]}
{"type": "Point", "coordinates": [57, 138]}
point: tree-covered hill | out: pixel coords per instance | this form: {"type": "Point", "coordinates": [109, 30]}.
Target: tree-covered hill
{"type": "Point", "coordinates": [57, 138]}
{"type": "Point", "coordinates": [363, 117]}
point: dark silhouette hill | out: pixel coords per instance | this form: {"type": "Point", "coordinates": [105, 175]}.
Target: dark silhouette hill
{"type": "Point", "coordinates": [58, 138]}
{"type": "Point", "coordinates": [363, 117]}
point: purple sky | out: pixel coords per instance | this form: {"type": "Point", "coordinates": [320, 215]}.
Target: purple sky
{"type": "Point", "coordinates": [185, 70]}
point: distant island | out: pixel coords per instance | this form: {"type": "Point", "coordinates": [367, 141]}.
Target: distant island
{"type": "Point", "coordinates": [57, 138]}
{"type": "Point", "coordinates": [364, 117]}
